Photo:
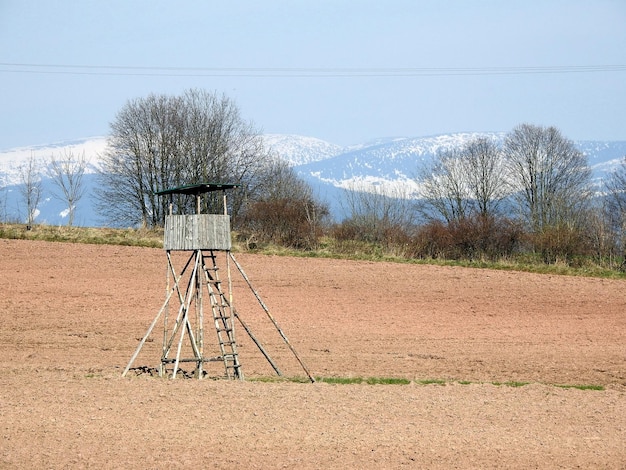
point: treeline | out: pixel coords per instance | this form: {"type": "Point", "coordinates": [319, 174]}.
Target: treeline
{"type": "Point", "coordinates": [530, 195]}
{"type": "Point", "coordinates": [65, 171]}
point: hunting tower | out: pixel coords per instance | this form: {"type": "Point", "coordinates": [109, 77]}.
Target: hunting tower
{"type": "Point", "coordinates": [198, 247]}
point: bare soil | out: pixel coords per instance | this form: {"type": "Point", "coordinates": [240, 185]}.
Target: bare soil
{"type": "Point", "coordinates": [71, 317]}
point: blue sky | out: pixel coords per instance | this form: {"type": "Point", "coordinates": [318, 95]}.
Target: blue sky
{"type": "Point", "coordinates": [343, 71]}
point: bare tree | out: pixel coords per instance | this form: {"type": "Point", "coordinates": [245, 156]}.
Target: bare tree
{"type": "Point", "coordinates": [285, 211]}
{"type": "Point", "coordinates": [444, 191]}
{"type": "Point", "coordinates": [164, 141]}
{"type": "Point", "coordinates": [30, 177]}
{"type": "Point", "coordinates": [3, 204]}
{"type": "Point", "coordinates": [484, 167]}
{"type": "Point", "coordinates": [376, 211]}
{"type": "Point", "coordinates": [549, 177]}
{"type": "Point", "coordinates": [67, 174]}
{"type": "Point", "coordinates": [463, 182]}
{"type": "Point", "coordinates": [143, 144]}
{"type": "Point", "coordinates": [615, 209]}
{"type": "Point", "coordinates": [282, 182]}
{"type": "Point", "coordinates": [616, 190]}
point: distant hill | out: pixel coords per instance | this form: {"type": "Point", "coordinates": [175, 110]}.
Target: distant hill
{"type": "Point", "coordinates": [300, 150]}
{"type": "Point", "coordinates": [395, 162]}
{"type": "Point", "coordinates": [329, 168]}
{"type": "Point", "coordinates": [50, 210]}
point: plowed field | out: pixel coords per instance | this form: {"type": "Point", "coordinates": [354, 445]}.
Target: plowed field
{"type": "Point", "coordinates": [499, 347]}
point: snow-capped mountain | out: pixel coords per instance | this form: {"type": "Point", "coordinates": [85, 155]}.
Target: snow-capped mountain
{"type": "Point", "coordinates": [391, 160]}
{"type": "Point", "coordinates": [51, 209]}
{"type": "Point", "coordinates": [603, 156]}
{"type": "Point", "coordinates": [13, 159]}
{"type": "Point", "coordinates": [330, 169]}
{"type": "Point", "coordinates": [300, 150]}
{"type": "Point", "coordinates": [393, 164]}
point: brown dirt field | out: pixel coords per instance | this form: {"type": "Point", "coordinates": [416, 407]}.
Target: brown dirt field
{"type": "Point", "coordinates": [71, 317]}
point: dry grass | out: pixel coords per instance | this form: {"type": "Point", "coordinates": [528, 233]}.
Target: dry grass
{"type": "Point", "coordinates": [328, 248]}
{"type": "Point", "coordinates": [96, 236]}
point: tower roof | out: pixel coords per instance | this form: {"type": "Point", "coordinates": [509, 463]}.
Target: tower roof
{"type": "Point", "coordinates": [195, 189]}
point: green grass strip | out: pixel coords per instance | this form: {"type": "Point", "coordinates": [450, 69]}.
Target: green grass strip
{"type": "Point", "coordinates": [431, 382]}
{"type": "Point", "coordinates": [340, 380]}
{"type": "Point", "coordinates": [403, 381]}
{"type": "Point", "coordinates": [581, 387]}
{"type": "Point", "coordinates": [511, 384]}
{"type": "Point", "coordinates": [387, 381]}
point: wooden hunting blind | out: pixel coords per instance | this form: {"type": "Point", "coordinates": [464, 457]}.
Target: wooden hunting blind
{"type": "Point", "coordinates": [196, 282]}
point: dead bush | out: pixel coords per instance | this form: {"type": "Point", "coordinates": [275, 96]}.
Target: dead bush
{"type": "Point", "coordinates": [293, 223]}
{"type": "Point", "coordinates": [471, 238]}
{"type": "Point", "coordinates": [561, 243]}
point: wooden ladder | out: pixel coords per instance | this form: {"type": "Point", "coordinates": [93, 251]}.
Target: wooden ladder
{"type": "Point", "coordinates": [223, 318]}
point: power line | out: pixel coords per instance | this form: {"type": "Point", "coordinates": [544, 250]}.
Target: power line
{"type": "Point", "coordinates": [298, 72]}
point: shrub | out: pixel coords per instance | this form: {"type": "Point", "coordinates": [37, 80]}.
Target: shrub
{"type": "Point", "coordinates": [293, 223]}
{"type": "Point", "coordinates": [471, 238]}
{"type": "Point", "coordinates": [561, 243]}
